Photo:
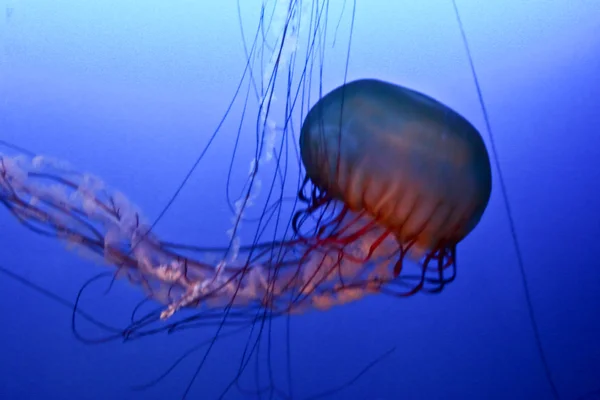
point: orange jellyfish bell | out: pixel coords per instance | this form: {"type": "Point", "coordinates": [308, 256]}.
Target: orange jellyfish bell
{"type": "Point", "coordinates": [411, 163]}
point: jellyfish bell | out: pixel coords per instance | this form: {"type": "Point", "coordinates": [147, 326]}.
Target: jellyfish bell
{"type": "Point", "coordinates": [414, 166]}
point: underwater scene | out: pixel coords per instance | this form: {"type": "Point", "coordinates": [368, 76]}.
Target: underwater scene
{"type": "Point", "coordinates": [300, 199]}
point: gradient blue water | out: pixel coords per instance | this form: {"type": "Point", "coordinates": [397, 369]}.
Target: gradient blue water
{"type": "Point", "coordinates": [130, 90]}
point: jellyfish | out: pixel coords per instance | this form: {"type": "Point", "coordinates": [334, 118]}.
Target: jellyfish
{"type": "Point", "coordinates": [394, 181]}
{"type": "Point", "coordinates": [393, 177]}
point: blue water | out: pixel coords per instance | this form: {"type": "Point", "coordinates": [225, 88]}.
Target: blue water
{"type": "Point", "coordinates": [130, 91]}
